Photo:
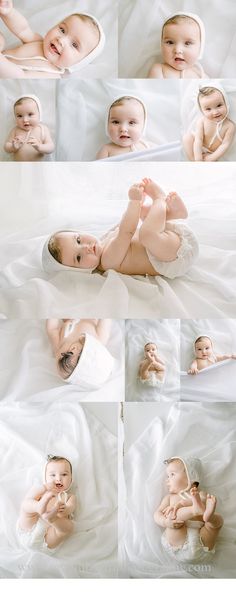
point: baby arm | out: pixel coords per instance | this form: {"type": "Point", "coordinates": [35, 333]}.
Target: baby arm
{"type": "Point", "coordinates": [172, 511]}
{"type": "Point", "coordinates": [103, 330]}
{"type": "Point", "coordinates": [144, 368]}
{"type": "Point", "coordinates": [223, 147]}
{"type": "Point", "coordinates": [198, 141]}
{"type": "Point", "coordinates": [155, 71]}
{"type": "Point", "coordinates": [164, 521]}
{"type": "Point", "coordinates": [16, 23]}
{"type": "Point", "coordinates": [220, 358]}
{"type": "Point", "coordinates": [103, 152]}
{"type": "Point", "coordinates": [47, 146]}
{"type": "Point", "coordinates": [13, 143]}
{"type": "Point", "coordinates": [115, 251]}
{"type": "Point", "coordinates": [32, 503]}
{"type": "Point", "coordinates": [53, 328]}
{"type": "Point", "coordinates": [65, 510]}
{"type": "Point", "coordinates": [193, 369]}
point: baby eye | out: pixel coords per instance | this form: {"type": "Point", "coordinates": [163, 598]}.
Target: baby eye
{"type": "Point", "coordinates": [75, 45]}
{"type": "Point", "coordinates": [132, 122]}
{"type": "Point", "coordinates": [78, 239]}
{"type": "Point", "coordinates": [188, 42]}
{"type": "Point", "coordinates": [115, 121]}
{"type": "Point", "coordinates": [169, 41]}
{"type": "Point", "coordinates": [62, 29]}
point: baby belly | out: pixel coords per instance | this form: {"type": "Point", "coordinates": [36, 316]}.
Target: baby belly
{"type": "Point", "coordinates": [27, 154]}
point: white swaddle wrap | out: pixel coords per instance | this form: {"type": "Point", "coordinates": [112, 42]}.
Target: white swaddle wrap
{"type": "Point", "coordinates": [94, 367]}
{"type": "Point", "coordinates": [198, 21]}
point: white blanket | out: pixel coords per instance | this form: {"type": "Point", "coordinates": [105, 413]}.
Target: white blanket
{"type": "Point", "coordinates": [140, 34]}
{"type": "Point", "coordinates": [165, 334]}
{"type": "Point", "coordinates": [190, 111]}
{"type": "Point", "coordinates": [29, 371]}
{"type": "Point", "coordinates": [42, 16]}
{"type": "Point", "coordinates": [185, 432]}
{"type": "Point", "coordinates": [27, 436]}
{"type": "Point", "coordinates": [88, 102]}
{"type": "Point", "coordinates": [92, 198]}
{"type": "Point", "coordinates": [215, 383]}
{"type": "Point", "coordinates": [10, 91]}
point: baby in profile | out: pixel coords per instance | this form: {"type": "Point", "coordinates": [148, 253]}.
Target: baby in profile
{"type": "Point", "coordinates": [186, 513]}
{"type": "Point", "coordinates": [147, 240]}
{"type": "Point", "coordinates": [126, 122]}
{"type": "Point", "coordinates": [205, 355]}
{"type": "Point", "coordinates": [30, 139]}
{"type": "Point", "coordinates": [151, 368]}
{"type": "Point", "coordinates": [70, 45]}
{"type": "Point", "coordinates": [182, 45]}
{"type": "Point", "coordinates": [214, 131]}
{"type": "Point", "coordinates": [46, 513]}
{"type": "Point", "coordinates": [79, 347]}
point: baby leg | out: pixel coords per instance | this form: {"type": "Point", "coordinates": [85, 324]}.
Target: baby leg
{"type": "Point", "coordinates": [213, 523]}
{"type": "Point", "coordinates": [58, 531]}
{"type": "Point", "coordinates": [154, 235]}
{"type": "Point", "coordinates": [188, 141]}
{"type": "Point", "coordinates": [31, 510]}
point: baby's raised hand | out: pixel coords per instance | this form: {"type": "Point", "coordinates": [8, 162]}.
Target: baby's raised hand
{"type": "Point", "coordinates": [193, 371]}
{"type": "Point", "coordinates": [136, 192]}
{"type": "Point", "coordinates": [17, 143]}
{"type": "Point", "coordinates": [35, 143]}
{"type": "Point", "coordinates": [5, 6]}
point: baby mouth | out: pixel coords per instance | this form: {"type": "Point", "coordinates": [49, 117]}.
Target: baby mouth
{"type": "Point", "coordinates": [59, 485]}
{"type": "Point", "coordinates": [54, 49]}
{"type": "Point", "coordinates": [179, 59]}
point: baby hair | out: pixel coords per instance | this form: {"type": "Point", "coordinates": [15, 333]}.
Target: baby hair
{"type": "Point", "coordinates": [149, 343]}
{"type": "Point", "coordinates": [87, 19]}
{"type": "Point", "coordinates": [201, 338]}
{"type": "Point", "coordinates": [54, 248]}
{"type": "Point", "coordinates": [204, 91]}
{"type": "Point", "coordinates": [65, 363]}
{"type": "Point", "coordinates": [122, 100]}
{"type": "Point", "coordinates": [176, 19]}
{"type": "Point", "coordinates": [173, 459]}
{"type": "Point", "coordinates": [58, 458]}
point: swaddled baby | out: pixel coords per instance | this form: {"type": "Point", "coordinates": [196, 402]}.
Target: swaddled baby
{"type": "Point", "coordinates": [186, 513]}
{"type": "Point", "coordinates": [152, 368]}
{"type": "Point", "coordinates": [79, 347]}
{"type": "Point", "coordinates": [46, 512]}
{"type": "Point", "coordinates": [205, 355]}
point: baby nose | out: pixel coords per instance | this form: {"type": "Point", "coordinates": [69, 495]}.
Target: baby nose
{"type": "Point", "coordinates": [179, 47]}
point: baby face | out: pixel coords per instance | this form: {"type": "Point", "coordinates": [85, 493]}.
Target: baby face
{"type": "Point", "coordinates": [150, 349]}
{"type": "Point", "coordinates": [181, 44]}
{"type": "Point", "coordinates": [176, 477]}
{"type": "Point", "coordinates": [70, 41]}
{"type": "Point", "coordinates": [203, 348]}
{"type": "Point", "coordinates": [27, 114]}
{"type": "Point", "coordinates": [213, 106]}
{"type": "Point", "coordinates": [126, 123]}
{"type": "Point", "coordinates": [58, 474]}
{"type": "Point", "coordinates": [79, 250]}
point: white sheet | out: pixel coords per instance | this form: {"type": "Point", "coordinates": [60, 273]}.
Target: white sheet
{"type": "Point", "coordinates": [95, 196]}
{"type": "Point", "coordinates": [29, 370]}
{"type": "Point", "coordinates": [190, 111]}
{"type": "Point", "coordinates": [165, 334]}
{"type": "Point", "coordinates": [27, 436]}
{"type": "Point", "coordinates": [10, 90]}
{"type": "Point", "coordinates": [87, 102]}
{"type": "Point", "coordinates": [185, 432]}
{"type": "Point", "coordinates": [218, 382]}
{"type": "Point", "coordinates": [140, 34]}
{"type": "Point", "coordinates": [42, 16]}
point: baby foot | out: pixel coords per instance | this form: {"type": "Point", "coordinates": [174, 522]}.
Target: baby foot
{"type": "Point", "coordinates": [5, 7]}
{"type": "Point", "coordinates": [51, 516]}
{"type": "Point", "coordinates": [198, 506]}
{"type": "Point", "coordinates": [152, 189]}
{"type": "Point", "coordinates": [210, 507]}
{"type": "Point", "coordinates": [43, 502]}
{"type": "Point", "coordinates": [176, 208]}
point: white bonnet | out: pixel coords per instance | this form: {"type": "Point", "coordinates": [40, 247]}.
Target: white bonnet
{"type": "Point", "coordinates": [52, 265]}
{"type": "Point", "coordinates": [35, 98]}
{"type": "Point", "coordinates": [94, 53]}
{"type": "Point", "coordinates": [94, 367]}
{"type": "Point", "coordinates": [215, 84]}
{"type": "Point", "coordinates": [192, 467]}
{"type": "Point", "coordinates": [200, 23]}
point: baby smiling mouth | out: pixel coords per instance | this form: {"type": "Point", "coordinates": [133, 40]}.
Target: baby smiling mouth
{"type": "Point", "coordinates": [54, 49]}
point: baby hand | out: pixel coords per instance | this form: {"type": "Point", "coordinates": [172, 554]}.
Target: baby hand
{"type": "Point", "coordinates": [35, 143]}
{"type": "Point", "coordinates": [61, 510]}
{"type": "Point", "coordinates": [172, 524]}
{"type": "Point", "coordinates": [233, 356]}
{"type": "Point", "coordinates": [17, 143]}
{"type": "Point", "coordinates": [5, 7]}
{"type": "Point", "coordinates": [136, 192]}
{"type": "Point", "coordinates": [193, 371]}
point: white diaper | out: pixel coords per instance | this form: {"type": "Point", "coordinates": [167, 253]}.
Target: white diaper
{"type": "Point", "coordinates": [34, 538]}
{"type": "Point", "coordinates": [153, 381]}
{"type": "Point", "coordinates": [193, 548]}
{"type": "Point", "coordinates": [186, 255]}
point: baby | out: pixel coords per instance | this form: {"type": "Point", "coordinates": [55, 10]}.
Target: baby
{"type": "Point", "coordinates": [214, 130]}
{"type": "Point", "coordinates": [80, 352]}
{"type": "Point", "coordinates": [125, 126]}
{"type": "Point", "coordinates": [182, 44]}
{"type": "Point", "coordinates": [159, 246]}
{"type": "Point", "coordinates": [47, 510]}
{"type": "Point", "coordinates": [187, 514]}
{"type": "Point", "coordinates": [205, 355]}
{"type": "Point", "coordinates": [69, 45]}
{"type": "Point", "coordinates": [151, 368]}
{"type": "Point", "coordinates": [29, 140]}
